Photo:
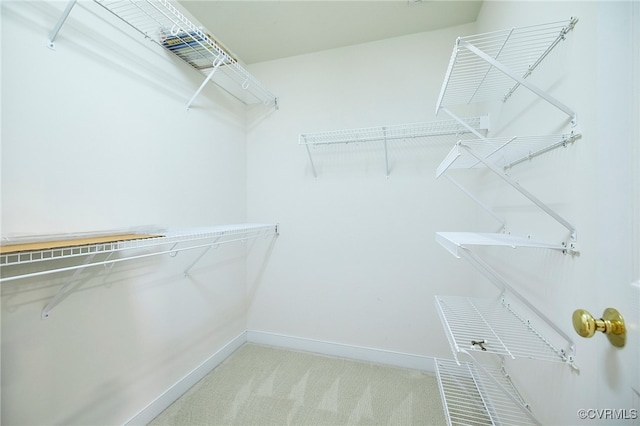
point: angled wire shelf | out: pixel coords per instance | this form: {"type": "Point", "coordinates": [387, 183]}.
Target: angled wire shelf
{"type": "Point", "coordinates": [493, 326]}
{"type": "Point", "coordinates": [503, 153]}
{"type": "Point", "coordinates": [445, 130]}
{"type": "Point", "coordinates": [491, 66]}
{"type": "Point", "coordinates": [161, 22]}
{"type": "Point", "coordinates": [500, 154]}
{"type": "Point", "coordinates": [477, 395]}
{"type": "Point", "coordinates": [455, 242]}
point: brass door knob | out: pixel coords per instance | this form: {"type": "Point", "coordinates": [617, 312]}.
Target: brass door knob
{"type": "Point", "coordinates": [611, 323]}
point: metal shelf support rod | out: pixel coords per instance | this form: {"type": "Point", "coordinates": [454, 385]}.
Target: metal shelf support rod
{"type": "Point", "coordinates": [465, 125]}
{"type": "Point", "coordinates": [563, 143]}
{"type": "Point", "coordinates": [524, 192]}
{"type": "Point", "coordinates": [54, 32]}
{"type": "Point", "coordinates": [65, 288]}
{"type": "Point", "coordinates": [216, 63]}
{"type": "Point", "coordinates": [313, 166]}
{"type": "Point", "coordinates": [477, 201]}
{"type": "Point", "coordinates": [186, 271]}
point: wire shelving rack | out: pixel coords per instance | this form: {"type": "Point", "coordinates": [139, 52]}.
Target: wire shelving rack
{"type": "Point", "coordinates": [491, 66]}
{"type": "Point", "coordinates": [493, 326]}
{"type": "Point", "coordinates": [476, 395]}
{"type": "Point", "coordinates": [108, 253]}
{"type": "Point", "coordinates": [448, 130]}
{"type": "Point", "coordinates": [161, 22]}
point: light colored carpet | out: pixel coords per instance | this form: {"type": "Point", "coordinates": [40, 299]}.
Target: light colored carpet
{"type": "Point", "coordinates": [263, 385]}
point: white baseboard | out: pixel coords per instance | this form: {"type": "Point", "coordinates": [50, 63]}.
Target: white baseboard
{"type": "Point", "coordinates": [159, 404]}
{"type": "Point", "coordinates": [397, 359]}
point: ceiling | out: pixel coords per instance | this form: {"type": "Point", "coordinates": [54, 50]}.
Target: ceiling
{"type": "Point", "coordinates": [263, 30]}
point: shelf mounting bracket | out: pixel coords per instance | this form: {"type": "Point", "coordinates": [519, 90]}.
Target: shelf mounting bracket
{"type": "Point", "coordinates": [216, 64]}
{"type": "Point", "coordinates": [65, 288]}
{"type": "Point", "coordinates": [54, 32]}
{"type": "Point", "coordinates": [213, 244]}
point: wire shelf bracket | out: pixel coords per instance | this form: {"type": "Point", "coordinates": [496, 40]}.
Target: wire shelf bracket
{"type": "Point", "coordinates": [485, 66]}
{"type": "Point", "coordinates": [178, 240]}
{"type": "Point", "coordinates": [161, 22]}
{"type": "Point", "coordinates": [386, 134]}
{"type": "Point", "coordinates": [479, 395]}
{"type": "Point", "coordinates": [500, 154]}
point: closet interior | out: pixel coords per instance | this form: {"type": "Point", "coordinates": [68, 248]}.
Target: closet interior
{"type": "Point", "coordinates": [485, 334]}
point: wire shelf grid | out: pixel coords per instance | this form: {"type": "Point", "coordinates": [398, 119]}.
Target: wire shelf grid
{"type": "Point", "coordinates": [455, 241]}
{"type": "Point", "coordinates": [162, 23]}
{"type": "Point", "coordinates": [180, 239]}
{"type": "Point", "coordinates": [502, 152]}
{"type": "Point", "coordinates": [493, 326]}
{"type": "Point", "coordinates": [393, 132]}
{"type": "Point", "coordinates": [474, 395]}
{"type": "Point", "coordinates": [471, 79]}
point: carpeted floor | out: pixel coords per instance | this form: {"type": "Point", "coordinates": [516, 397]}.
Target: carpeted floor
{"type": "Point", "coordinates": [263, 385]}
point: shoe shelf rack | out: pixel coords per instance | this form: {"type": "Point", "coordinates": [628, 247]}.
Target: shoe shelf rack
{"type": "Point", "coordinates": [444, 131]}
{"type": "Point", "coordinates": [161, 22]}
{"type": "Point", "coordinates": [491, 66]}
{"type": "Point", "coordinates": [458, 242]}
{"type": "Point", "coordinates": [513, 327]}
{"type": "Point", "coordinates": [76, 252]}
{"type": "Point", "coordinates": [477, 395]}
{"type": "Point", "coordinates": [483, 68]}
{"type": "Point", "coordinates": [493, 326]}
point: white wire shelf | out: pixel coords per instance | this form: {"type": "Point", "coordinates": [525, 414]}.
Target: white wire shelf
{"type": "Point", "coordinates": [161, 22]}
{"type": "Point", "coordinates": [503, 153]}
{"type": "Point", "coordinates": [476, 395]}
{"type": "Point", "coordinates": [493, 326]}
{"type": "Point", "coordinates": [491, 66]}
{"type": "Point", "coordinates": [171, 242]}
{"type": "Point", "coordinates": [445, 131]}
{"type": "Point", "coordinates": [499, 154]}
{"type": "Point", "coordinates": [456, 241]}
{"type": "Point", "coordinates": [88, 255]}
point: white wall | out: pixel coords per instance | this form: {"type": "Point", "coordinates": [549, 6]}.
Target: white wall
{"type": "Point", "coordinates": [95, 136]}
{"type": "Point", "coordinates": [356, 262]}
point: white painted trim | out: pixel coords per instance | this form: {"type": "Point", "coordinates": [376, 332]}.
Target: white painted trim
{"type": "Point", "coordinates": [360, 353]}
{"type": "Point", "coordinates": [168, 397]}
{"type": "Point", "coordinates": [397, 359]}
